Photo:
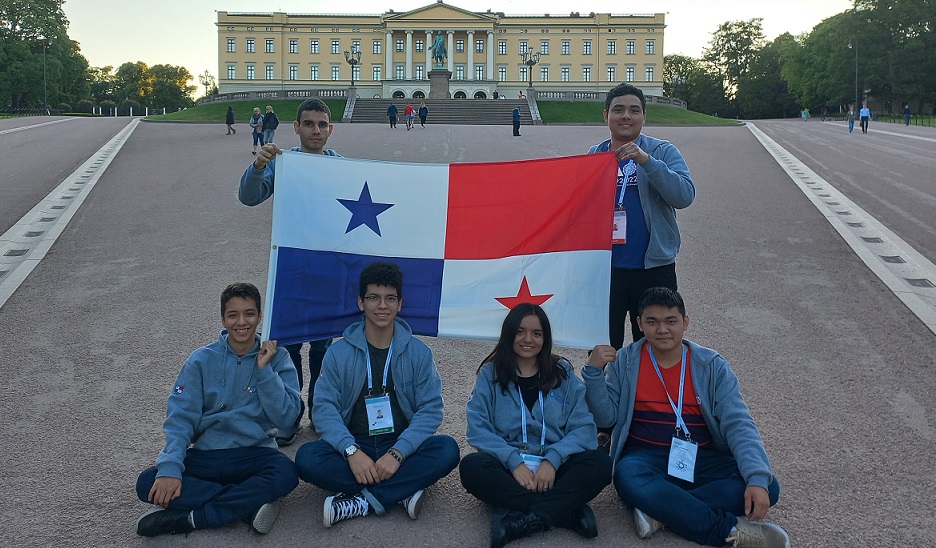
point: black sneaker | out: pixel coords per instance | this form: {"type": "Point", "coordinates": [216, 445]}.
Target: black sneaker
{"type": "Point", "coordinates": [583, 522]}
{"type": "Point", "coordinates": [340, 507]}
{"type": "Point", "coordinates": [288, 440]}
{"type": "Point", "coordinates": [161, 521]}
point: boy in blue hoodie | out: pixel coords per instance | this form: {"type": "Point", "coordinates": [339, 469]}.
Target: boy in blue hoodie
{"type": "Point", "coordinates": [228, 402]}
{"type": "Point", "coordinates": [377, 404]}
{"type": "Point", "coordinates": [686, 452]}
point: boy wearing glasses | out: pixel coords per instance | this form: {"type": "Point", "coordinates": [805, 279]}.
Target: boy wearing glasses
{"type": "Point", "coordinates": [377, 405]}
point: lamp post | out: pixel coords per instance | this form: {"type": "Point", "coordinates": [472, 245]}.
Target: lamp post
{"type": "Point", "coordinates": [353, 58]}
{"type": "Point", "coordinates": [206, 80]}
{"type": "Point", "coordinates": [676, 82]}
{"type": "Point", "coordinates": [45, 84]}
{"type": "Point", "coordinates": [856, 69]}
{"type": "Point", "coordinates": [530, 58]}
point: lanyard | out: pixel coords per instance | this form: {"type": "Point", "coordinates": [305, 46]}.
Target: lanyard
{"type": "Point", "coordinates": [629, 168]}
{"type": "Point", "coordinates": [680, 424]}
{"type": "Point", "coordinates": [523, 419]}
{"type": "Point", "coordinates": [370, 380]}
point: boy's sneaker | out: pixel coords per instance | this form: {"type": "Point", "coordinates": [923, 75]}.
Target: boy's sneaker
{"type": "Point", "coordinates": [645, 525]}
{"type": "Point", "coordinates": [757, 534]}
{"type": "Point", "coordinates": [413, 504]}
{"type": "Point", "coordinates": [288, 440]}
{"type": "Point", "coordinates": [341, 506]}
{"type": "Point", "coordinates": [161, 521]}
{"type": "Point", "coordinates": [263, 519]}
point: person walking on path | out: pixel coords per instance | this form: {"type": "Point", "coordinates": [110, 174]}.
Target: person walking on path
{"type": "Point", "coordinates": [423, 113]}
{"type": "Point", "coordinates": [229, 120]}
{"type": "Point", "coordinates": [805, 114]}
{"type": "Point", "coordinates": [544, 478]}
{"type": "Point", "coordinates": [516, 121]}
{"type": "Point", "coordinates": [410, 114]}
{"type": "Point", "coordinates": [906, 113]}
{"type": "Point", "coordinates": [865, 116]}
{"type": "Point", "coordinates": [233, 470]}
{"type": "Point", "coordinates": [256, 129]}
{"type": "Point", "coordinates": [392, 115]}
{"type": "Point", "coordinates": [850, 118]}
{"type": "Point", "coordinates": [270, 123]}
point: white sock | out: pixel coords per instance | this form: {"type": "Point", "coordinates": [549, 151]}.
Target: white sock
{"type": "Point", "coordinates": [191, 518]}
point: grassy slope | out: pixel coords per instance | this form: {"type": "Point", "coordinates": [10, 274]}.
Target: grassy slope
{"type": "Point", "coordinates": [553, 112]}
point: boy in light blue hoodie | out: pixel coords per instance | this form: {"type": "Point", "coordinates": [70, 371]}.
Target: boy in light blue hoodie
{"type": "Point", "coordinates": [228, 402]}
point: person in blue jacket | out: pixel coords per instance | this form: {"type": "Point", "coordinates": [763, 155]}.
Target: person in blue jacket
{"type": "Point", "coordinates": [377, 406]}
{"type": "Point", "coordinates": [392, 115]}
{"type": "Point", "coordinates": [221, 463]}
{"type": "Point", "coordinates": [536, 459]}
{"type": "Point", "coordinates": [313, 126]}
{"type": "Point", "coordinates": [687, 454]}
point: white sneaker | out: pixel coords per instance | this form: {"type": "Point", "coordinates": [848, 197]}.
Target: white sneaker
{"type": "Point", "coordinates": [264, 518]}
{"type": "Point", "coordinates": [645, 525]}
{"type": "Point", "coordinates": [413, 504]}
{"type": "Point", "coordinates": [341, 506]}
{"type": "Point", "coordinates": [758, 534]}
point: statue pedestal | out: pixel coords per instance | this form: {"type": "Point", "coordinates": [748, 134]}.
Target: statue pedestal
{"type": "Point", "coordinates": [439, 83]}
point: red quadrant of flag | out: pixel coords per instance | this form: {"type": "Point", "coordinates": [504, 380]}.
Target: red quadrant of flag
{"type": "Point", "coordinates": [556, 204]}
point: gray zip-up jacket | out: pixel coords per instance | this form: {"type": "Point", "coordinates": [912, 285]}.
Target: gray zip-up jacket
{"type": "Point", "coordinates": [611, 394]}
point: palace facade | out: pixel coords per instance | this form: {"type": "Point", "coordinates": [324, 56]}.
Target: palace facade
{"type": "Point", "coordinates": [577, 52]}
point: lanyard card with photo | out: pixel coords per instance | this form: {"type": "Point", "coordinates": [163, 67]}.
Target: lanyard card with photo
{"type": "Point", "coordinates": [379, 415]}
{"type": "Point", "coordinates": [532, 461]}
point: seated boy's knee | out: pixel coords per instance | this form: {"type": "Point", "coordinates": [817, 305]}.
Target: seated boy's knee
{"type": "Point", "coordinates": [145, 482]}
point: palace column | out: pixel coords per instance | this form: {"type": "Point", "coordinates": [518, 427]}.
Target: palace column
{"type": "Point", "coordinates": [409, 55]}
{"type": "Point", "coordinates": [490, 56]}
{"type": "Point", "coordinates": [451, 50]}
{"type": "Point", "coordinates": [388, 52]}
{"type": "Point", "coordinates": [470, 51]}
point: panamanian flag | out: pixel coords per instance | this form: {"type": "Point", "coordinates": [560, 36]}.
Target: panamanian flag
{"type": "Point", "coordinates": [472, 241]}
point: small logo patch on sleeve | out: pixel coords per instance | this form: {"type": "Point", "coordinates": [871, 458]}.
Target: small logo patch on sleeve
{"type": "Point", "coordinates": [178, 389]}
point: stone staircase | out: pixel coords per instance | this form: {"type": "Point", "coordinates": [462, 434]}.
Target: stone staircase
{"type": "Point", "coordinates": [444, 111]}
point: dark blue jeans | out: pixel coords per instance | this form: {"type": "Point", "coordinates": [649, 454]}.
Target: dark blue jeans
{"type": "Point", "coordinates": [322, 466]}
{"type": "Point", "coordinates": [226, 485]}
{"type": "Point", "coordinates": [703, 511]}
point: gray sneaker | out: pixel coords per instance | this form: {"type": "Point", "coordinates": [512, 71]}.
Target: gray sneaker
{"type": "Point", "coordinates": [758, 534]}
{"type": "Point", "coordinates": [341, 506]}
{"type": "Point", "coordinates": [413, 504]}
{"type": "Point", "coordinates": [645, 525]}
{"type": "Point", "coordinates": [263, 519]}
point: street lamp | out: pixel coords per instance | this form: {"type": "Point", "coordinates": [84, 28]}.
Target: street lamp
{"type": "Point", "coordinates": [530, 58]}
{"type": "Point", "coordinates": [856, 70]}
{"type": "Point", "coordinates": [676, 82]}
{"type": "Point", "coordinates": [353, 58]}
{"type": "Point", "coordinates": [206, 80]}
{"type": "Point", "coordinates": [45, 85]}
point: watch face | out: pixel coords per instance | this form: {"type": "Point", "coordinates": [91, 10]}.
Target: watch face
{"type": "Point", "coordinates": [350, 450]}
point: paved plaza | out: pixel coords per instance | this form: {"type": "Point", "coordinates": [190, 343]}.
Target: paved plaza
{"type": "Point", "coordinates": [832, 362]}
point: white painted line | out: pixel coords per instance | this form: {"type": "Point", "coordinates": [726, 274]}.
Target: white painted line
{"type": "Point", "coordinates": [879, 131]}
{"type": "Point", "coordinates": [24, 128]}
{"type": "Point", "coordinates": [868, 238]}
{"type": "Point", "coordinates": [27, 242]}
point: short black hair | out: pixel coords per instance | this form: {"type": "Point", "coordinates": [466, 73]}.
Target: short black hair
{"type": "Point", "coordinates": [240, 289]}
{"type": "Point", "coordinates": [313, 104]}
{"type": "Point", "coordinates": [661, 296]}
{"type": "Point", "coordinates": [387, 274]}
{"type": "Point", "coordinates": [621, 90]}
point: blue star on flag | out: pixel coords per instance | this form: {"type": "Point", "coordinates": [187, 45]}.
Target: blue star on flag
{"type": "Point", "coordinates": [364, 211]}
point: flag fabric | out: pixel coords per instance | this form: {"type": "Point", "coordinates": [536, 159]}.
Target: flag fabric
{"type": "Point", "coordinates": [472, 241]}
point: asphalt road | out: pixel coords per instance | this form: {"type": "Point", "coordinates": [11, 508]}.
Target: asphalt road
{"type": "Point", "coordinates": [834, 368]}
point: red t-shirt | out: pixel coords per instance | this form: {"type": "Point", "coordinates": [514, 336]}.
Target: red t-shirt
{"type": "Point", "coordinates": [654, 421]}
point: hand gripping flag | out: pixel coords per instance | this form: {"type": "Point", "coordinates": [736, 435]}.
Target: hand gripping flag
{"type": "Point", "coordinates": [472, 241]}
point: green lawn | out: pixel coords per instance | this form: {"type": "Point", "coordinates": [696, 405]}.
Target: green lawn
{"type": "Point", "coordinates": [553, 112]}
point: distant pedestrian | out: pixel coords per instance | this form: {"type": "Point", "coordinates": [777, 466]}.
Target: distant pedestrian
{"type": "Point", "coordinates": [230, 121]}
{"type": "Point", "coordinates": [520, 95]}
{"type": "Point", "coordinates": [495, 94]}
{"type": "Point", "coordinates": [825, 114]}
{"type": "Point", "coordinates": [516, 121]}
{"type": "Point", "coordinates": [410, 114]}
{"type": "Point", "coordinates": [270, 123]}
{"type": "Point", "coordinates": [423, 113]}
{"type": "Point", "coordinates": [392, 115]}
{"type": "Point", "coordinates": [805, 114]}
{"type": "Point", "coordinates": [850, 118]}
{"type": "Point", "coordinates": [865, 116]}
{"type": "Point", "coordinates": [906, 113]}
{"type": "Point", "coordinates": [256, 126]}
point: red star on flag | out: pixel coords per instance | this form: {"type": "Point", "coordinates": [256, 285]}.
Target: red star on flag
{"type": "Point", "coordinates": [523, 296]}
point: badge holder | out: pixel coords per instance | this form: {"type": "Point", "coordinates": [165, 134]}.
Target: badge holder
{"type": "Point", "coordinates": [379, 415]}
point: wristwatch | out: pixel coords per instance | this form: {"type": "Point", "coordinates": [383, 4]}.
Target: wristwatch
{"type": "Point", "coordinates": [350, 450]}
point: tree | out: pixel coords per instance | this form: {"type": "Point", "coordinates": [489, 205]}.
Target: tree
{"type": "Point", "coordinates": [731, 51]}
{"type": "Point", "coordinates": [676, 71]}
{"type": "Point", "coordinates": [170, 87]}
{"type": "Point", "coordinates": [762, 92]}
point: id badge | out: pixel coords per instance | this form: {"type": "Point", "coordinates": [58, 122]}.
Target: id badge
{"type": "Point", "coordinates": [619, 233]}
{"type": "Point", "coordinates": [532, 461]}
{"type": "Point", "coordinates": [379, 415]}
{"type": "Point", "coordinates": [682, 456]}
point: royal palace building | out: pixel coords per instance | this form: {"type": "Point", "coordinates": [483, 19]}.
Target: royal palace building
{"type": "Point", "coordinates": [486, 51]}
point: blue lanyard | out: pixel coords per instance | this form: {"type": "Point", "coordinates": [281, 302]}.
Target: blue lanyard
{"type": "Point", "coordinates": [523, 419]}
{"type": "Point", "coordinates": [629, 168]}
{"type": "Point", "coordinates": [370, 380]}
{"type": "Point", "coordinates": [680, 424]}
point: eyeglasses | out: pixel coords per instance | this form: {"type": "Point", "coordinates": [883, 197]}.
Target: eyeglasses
{"type": "Point", "coordinates": [375, 299]}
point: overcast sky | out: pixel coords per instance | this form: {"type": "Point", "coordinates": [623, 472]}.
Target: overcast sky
{"type": "Point", "coordinates": [183, 32]}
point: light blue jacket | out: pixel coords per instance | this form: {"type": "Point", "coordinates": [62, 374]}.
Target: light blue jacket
{"type": "Point", "coordinates": [221, 401]}
{"type": "Point", "coordinates": [416, 383]}
{"type": "Point", "coordinates": [256, 185]}
{"type": "Point", "coordinates": [494, 420]}
{"type": "Point", "coordinates": [611, 394]}
{"type": "Point", "coordinates": [665, 186]}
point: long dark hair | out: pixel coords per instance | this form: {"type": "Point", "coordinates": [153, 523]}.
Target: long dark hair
{"type": "Point", "coordinates": [551, 374]}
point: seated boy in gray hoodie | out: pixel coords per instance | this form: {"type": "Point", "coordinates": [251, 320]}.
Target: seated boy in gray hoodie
{"type": "Point", "coordinates": [221, 463]}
